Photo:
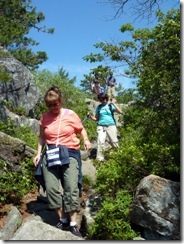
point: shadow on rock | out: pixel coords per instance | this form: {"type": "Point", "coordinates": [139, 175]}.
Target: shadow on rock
{"type": "Point", "coordinates": [40, 208]}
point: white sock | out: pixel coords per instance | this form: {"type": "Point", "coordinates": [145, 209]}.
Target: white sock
{"type": "Point", "coordinates": [73, 223]}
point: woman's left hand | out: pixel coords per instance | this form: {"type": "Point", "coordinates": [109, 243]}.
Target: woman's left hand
{"type": "Point", "coordinates": [87, 145]}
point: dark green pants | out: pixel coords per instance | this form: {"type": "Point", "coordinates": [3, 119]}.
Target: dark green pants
{"type": "Point", "coordinates": [62, 185]}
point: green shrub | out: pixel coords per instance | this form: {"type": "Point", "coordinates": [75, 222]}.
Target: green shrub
{"type": "Point", "coordinates": [25, 134]}
{"type": "Point", "coordinates": [86, 182]}
{"type": "Point", "coordinates": [112, 221]}
{"type": "Point", "coordinates": [17, 110]}
{"type": "Point", "coordinates": [124, 168]}
{"type": "Point", "coordinates": [22, 132]}
{"type": "Point", "coordinates": [14, 185]}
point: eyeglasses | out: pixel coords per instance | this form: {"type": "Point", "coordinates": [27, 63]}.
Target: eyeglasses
{"type": "Point", "coordinates": [53, 105]}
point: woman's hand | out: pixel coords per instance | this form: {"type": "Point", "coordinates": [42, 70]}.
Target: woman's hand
{"type": "Point", "coordinates": [91, 116]}
{"type": "Point", "coordinates": [36, 160]}
{"type": "Point", "coordinates": [87, 144]}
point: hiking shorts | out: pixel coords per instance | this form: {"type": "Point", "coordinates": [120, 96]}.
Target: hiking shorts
{"type": "Point", "coordinates": [106, 133]}
{"type": "Point", "coordinates": [111, 92]}
{"type": "Point", "coordinates": [62, 185]}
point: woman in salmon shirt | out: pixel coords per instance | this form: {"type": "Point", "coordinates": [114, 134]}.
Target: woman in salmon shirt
{"type": "Point", "coordinates": [63, 183]}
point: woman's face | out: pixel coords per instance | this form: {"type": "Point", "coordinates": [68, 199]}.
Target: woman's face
{"type": "Point", "coordinates": [103, 100]}
{"type": "Point", "coordinates": [54, 107]}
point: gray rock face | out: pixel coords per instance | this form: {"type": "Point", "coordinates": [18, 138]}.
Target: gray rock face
{"type": "Point", "coordinates": [21, 89]}
{"type": "Point", "coordinates": [13, 222]}
{"type": "Point", "coordinates": [14, 150]}
{"type": "Point", "coordinates": [35, 229]}
{"type": "Point", "coordinates": [156, 207]}
{"type": "Point", "coordinates": [33, 124]}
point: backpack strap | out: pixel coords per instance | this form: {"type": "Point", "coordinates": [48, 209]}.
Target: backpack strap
{"type": "Point", "coordinates": [98, 110]}
{"type": "Point", "coordinates": [112, 112]}
{"type": "Point", "coordinates": [110, 80]}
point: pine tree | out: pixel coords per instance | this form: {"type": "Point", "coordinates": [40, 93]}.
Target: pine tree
{"type": "Point", "coordinates": [17, 18]}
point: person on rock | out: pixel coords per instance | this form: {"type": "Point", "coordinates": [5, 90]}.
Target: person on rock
{"type": "Point", "coordinates": [111, 82]}
{"type": "Point", "coordinates": [95, 84]}
{"type": "Point", "coordinates": [106, 124]}
{"type": "Point", "coordinates": [63, 182]}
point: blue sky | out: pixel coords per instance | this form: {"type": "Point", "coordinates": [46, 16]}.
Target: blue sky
{"type": "Point", "coordinates": [79, 24]}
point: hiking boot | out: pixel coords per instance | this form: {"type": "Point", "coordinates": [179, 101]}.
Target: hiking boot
{"type": "Point", "coordinates": [74, 230]}
{"type": "Point", "coordinates": [63, 226]}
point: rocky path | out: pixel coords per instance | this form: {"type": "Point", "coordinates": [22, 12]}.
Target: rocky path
{"type": "Point", "coordinates": [35, 203]}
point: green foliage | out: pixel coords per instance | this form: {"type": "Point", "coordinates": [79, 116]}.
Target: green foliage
{"type": "Point", "coordinates": [17, 110]}
{"type": "Point", "coordinates": [126, 27]}
{"type": "Point", "coordinates": [22, 132]}
{"type": "Point", "coordinates": [14, 185]}
{"type": "Point", "coordinates": [112, 221]}
{"type": "Point", "coordinates": [25, 134]}
{"type": "Point", "coordinates": [162, 159]}
{"type": "Point", "coordinates": [91, 129]}
{"type": "Point", "coordinates": [4, 75]}
{"type": "Point", "coordinates": [94, 58]}
{"type": "Point", "coordinates": [124, 168]}
{"type": "Point", "coordinates": [7, 126]}
{"type": "Point", "coordinates": [150, 138]}
{"type": "Point", "coordinates": [103, 72]}
{"type": "Point", "coordinates": [16, 20]}
{"type": "Point", "coordinates": [126, 95]}
{"type": "Point", "coordinates": [72, 95]}
{"type": "Point", "coordinates": [64, 75]}
{"type": "Point", "coordinates": [159, 143]}
{"type": "Point", "coordinates": [28, 58]}
{"type": "Point", "coordinates": [153, 57]}
{"type": "Point", "coordinates": [86, 182]}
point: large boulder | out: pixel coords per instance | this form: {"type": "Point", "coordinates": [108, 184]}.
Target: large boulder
{"type": "Point", "coordinates": [12, 223]}
{"type": "Point", "coordinates": [18, 120]}
{"type": "Point", "coordinates": [156, 208]}
{"type": "Point", "coordinates": [31, 229]}
{"type": "Point", "coordinates": [14, 150]}
{"type": "Point", "coordinates": [20, 90]}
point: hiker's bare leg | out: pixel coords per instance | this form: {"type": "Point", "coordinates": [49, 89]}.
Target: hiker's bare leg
{"type": "Point", "coordinates": [60, 213]}
{"type": "Point", "coordinates": [73, 216]}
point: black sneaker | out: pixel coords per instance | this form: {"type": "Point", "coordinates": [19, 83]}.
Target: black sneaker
{"type": "Point", "coordinates": [74, 230]}
{"type": "Point", "coordinates": [63, 226]}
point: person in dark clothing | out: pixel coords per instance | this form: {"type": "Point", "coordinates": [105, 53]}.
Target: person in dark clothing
{"type": "Point", "coordinates": [95, 84]}
{"type": "Point", "coordinates": [111, 82]}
